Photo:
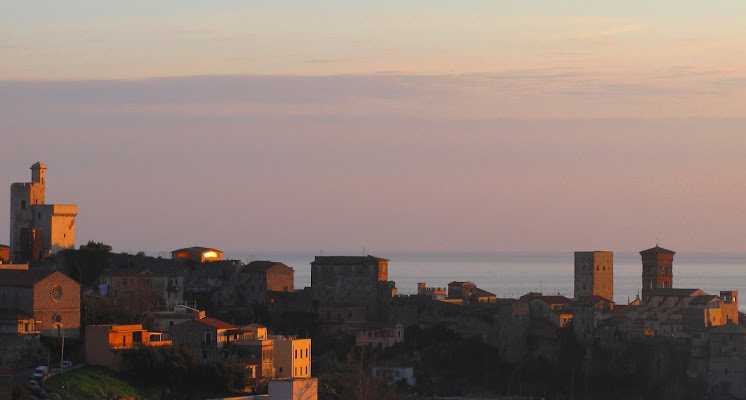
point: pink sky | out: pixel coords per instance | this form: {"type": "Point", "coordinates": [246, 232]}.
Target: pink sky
{"type": "Point", "coordinates": [494, 125]}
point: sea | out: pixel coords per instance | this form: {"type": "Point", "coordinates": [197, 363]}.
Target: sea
{"type": "Point", "coordinates": [513, 274]}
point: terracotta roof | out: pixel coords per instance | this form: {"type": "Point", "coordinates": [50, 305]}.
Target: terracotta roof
{"type": "Point", "coordinates": [23, 277]}
{"type": "Point", "coordinates": [339, 260]}
{"type": "Point", "coordinates": [261, 266]}
{"type": "Point", "coordinates": [38, 164]}
{"type": "Point", "coordinates": [2, 246]}
{"type": "Point", "coordinates": [216, 323]}
{"type": "Point", "coordinates": [657, 250]}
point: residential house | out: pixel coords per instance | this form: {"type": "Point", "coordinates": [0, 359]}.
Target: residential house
{"type": "Point", "coordinates": [197, 254]}
{"type": "Point", "coordinates": [557, 308]}
{"type": "Point", "coordinates": [292, 358]}
{"type": "Point", "coordinates": [209, 335]}
{"type": "Point", "coordinates": [341, 319]}
{"type": "Point", "coordinates": [104, 343]}
{"type": "Point", "coordinates": [259, 278]}
{"type": "Point", "coordinates": [393, 373]}
{"type": "Point", "coordinates": [379, 335]}
{"type": "Point", "coordinates": [170, 286]}
{"type": "Point", "coordinates": [162, 321]}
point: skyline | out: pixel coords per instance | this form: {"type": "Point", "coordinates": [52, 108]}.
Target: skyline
{"type": "Point", "coordinates": [482, 126]}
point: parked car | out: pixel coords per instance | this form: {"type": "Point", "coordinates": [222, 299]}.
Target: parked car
{"type": "Point", "coordinates": [35, 388]}
{"type": "Point", "coordinates": [67, 364]}
{"type": "Point", "coordinates": [41, 371]}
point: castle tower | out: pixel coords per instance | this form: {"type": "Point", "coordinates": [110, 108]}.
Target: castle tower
{"type": "Point", "coordinates": [38, 229]}
{"type": "Point", "coordinates": [594, 274]}
{"type": "Point", "coordinates": [657, 269]}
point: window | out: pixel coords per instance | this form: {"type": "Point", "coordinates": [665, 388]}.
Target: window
{"type": "Point", "coordinates": [56, 319]}
{"type": "Point", "coordinates": [296, 353]}
{"type": "Point", "coordinates": [306, 353]}
{"type": "Point", "coordinates": [208, 337]}
{"type": "Point", "coordinates": [23, 204]}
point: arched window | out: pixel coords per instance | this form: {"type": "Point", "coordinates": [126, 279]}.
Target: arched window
{"type": "Point", "coordinates": [56, 319]}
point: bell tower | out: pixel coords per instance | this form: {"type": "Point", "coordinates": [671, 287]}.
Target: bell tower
{"type": "Point", "coordinates": [657, 269]}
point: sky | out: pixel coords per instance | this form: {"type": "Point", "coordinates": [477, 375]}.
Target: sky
{"type": "Point", "coordinates": [388, 126]}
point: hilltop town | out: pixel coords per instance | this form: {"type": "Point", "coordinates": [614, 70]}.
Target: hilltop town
{"type": "Point", "coordinates": [196, 325]}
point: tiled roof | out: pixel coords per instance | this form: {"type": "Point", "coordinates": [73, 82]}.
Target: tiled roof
{"type": "Point", "coordinates": [2, 246]}
{"type": "Point", "coordinates": [23, 277]}
{"type": "Point", "coordinates": [216, 323]}
{"type": "Point", "coordinates": [657, 250]}
{"type": "Point", "coordinates": [339, 260]}
{"type": "Point", "coordinates": [261, 266]}
{"type": "Point", "coordinates": [39, 165]}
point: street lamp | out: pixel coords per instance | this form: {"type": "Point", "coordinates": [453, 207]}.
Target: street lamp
{"type": "Point", "coordinates": [62, 348]}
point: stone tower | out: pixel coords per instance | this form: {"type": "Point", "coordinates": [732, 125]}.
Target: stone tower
{"type": "Point", "coordinates": [657, 269]}
{"type": "Point", "coordinates": [594, 274]}
{"type": "Point", "coordinates": [38, 229]}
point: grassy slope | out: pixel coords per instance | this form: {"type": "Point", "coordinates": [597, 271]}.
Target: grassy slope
{"type": "Point", "coordinates": [84, 382]}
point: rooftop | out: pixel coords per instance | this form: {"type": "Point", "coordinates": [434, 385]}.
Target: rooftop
{"type": "Point", "coordinates": [261, 266]}
{"type": "Point", "coordinates": [657, 250]}
{"type": "Point", "coordinates": [216, 323]}
{"type": "Point", "coordinates": [196, 249]}
{"type": "Point", "coordinates": [23, 277]}
{"type": "Point", "coordinates": [337, 260]}
{"type": "Point", "coordinates": [675, 292]}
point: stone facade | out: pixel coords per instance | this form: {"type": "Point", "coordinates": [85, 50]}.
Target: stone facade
{"type": "Point", "coordinates": [170, 286]}
{"type": "Point", "coordinates": [353, 281]}
{"type": "Point", "coordinates": [29, 216]}
{"type": "Point", "coordinates": [657, 269]}
{"type": "Point", "coordinates": [594, 274]}
{"type": "Point", "coordinates": [258, 278]}
{"type": "Point", "coordinates": [727, 366]}
{"type": "Point", "coordinates": [51, 297]}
